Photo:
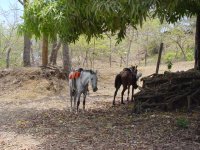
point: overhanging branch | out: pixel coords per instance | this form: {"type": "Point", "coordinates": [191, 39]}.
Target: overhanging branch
{"type": "Point", "coordinates": [21, 2]}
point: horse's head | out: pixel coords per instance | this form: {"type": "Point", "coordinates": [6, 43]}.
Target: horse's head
{"type": "Point", "coordinates": [134, 69]}
{"type": "Point", "coordinates": [139, 74]}
{"type": "Point", "coordinates": [93, 80]}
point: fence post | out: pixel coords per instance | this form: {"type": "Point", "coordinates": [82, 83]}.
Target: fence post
{"type": "Point", "coordinates": [159, 57]}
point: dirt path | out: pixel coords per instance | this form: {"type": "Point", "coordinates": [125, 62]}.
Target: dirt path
{"type": "Point", "coordinates": [35, 119]}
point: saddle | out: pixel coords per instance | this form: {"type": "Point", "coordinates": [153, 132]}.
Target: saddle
{"type": "Point", "coordinates": [75, 73]}
{"type": "Point", "coordinates": [131, 70]}
{"type": "Point", "coordinates": [127, 69]}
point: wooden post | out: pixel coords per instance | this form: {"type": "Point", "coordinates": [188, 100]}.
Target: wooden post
{"type": "Point", "coordinates": [159, 57]}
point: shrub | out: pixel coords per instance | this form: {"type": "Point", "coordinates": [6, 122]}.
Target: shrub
{"type": "Point", "coordinates": [189, 56]}
{"type": "Point", "coordinates": [182, 122]}
{"type": "Point", "coordinates": [169, 65]}
{"type": "Point", "coordinates": [153, 47]}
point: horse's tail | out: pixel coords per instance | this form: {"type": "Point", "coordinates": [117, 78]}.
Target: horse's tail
{"type": "Point", "coordinates": [72, 86]}
{"type": "Point", "coordinates": [118, 80]}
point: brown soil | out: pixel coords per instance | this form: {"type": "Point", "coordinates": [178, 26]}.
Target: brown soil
{"type": "Point", "coordinates": [34, 114]}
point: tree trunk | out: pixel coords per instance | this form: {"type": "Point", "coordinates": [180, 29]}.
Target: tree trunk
{"type": "Point", "coordinates": [129, 48]}
{"type": "Point", "coordinates": [182, 50]}
{"type": "Point", "coordinates": [45, 51]}
{"type": "Point", "coordinates": [197, 43]}
{"type": "Point", "coordinates": [32, 57]}
{"type": "Point", "coordinates": [128, 53]}
{"type": "Point", "coordinates": [120, 61]}
{"type": "Point", "coordinates": [147, 48]}
{"type": "Point", "coordinates": [93, 55]}
{"type": "Point", "coordinates": [145, 58]}
{"type": "Point", "coordinates": [8, 57]}
{"type": "Point", "coordinates": [52, 52]}
{"type": "Point", "coordinates": [27, 45]}
{"type": "Point", "coordinates": [66, 58]}
{"type": "Point", "coordinates": [110, 57]}
{"type": "Point", "coordinates": [53, 58]}
{"type": "Point", "coordinates": [27, 50]}
{"type": "Point", "coordinates": [86, 59]}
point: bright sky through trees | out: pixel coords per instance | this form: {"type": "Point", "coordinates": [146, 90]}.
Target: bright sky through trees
{"type": "Point", "coordinates": [5, 4]}
{"type": "Point", "coordinates": [7, 8]}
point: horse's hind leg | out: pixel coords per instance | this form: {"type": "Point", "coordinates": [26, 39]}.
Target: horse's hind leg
{"type": "Point", "coordinates": [84, 97]}
{"type": "Point", "coordinates": [78, 102]}
{"type": "Point", "coordinates": [124, 89]}
{"type": "Point", "coordinates": [115, 94]}
{"type": "Point", "coordinates": [118, 82]}
{"type": "Point", "coordinates": [71, 99]}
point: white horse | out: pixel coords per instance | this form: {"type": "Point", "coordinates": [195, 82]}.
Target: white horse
{"type": "Point", "coordinates": [80, 86]}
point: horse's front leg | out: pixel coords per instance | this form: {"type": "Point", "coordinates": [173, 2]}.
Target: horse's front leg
{"type": "Point", "coordinates": [75, 96]}
{"type": "Point", "coordinates": [132, 93]}
{"type": "Point", "coordinates": [128, 92]}
{"type": "Point", "coordinates": [124, 89]}
{"type": "Point", "coordinates": [78, 102]}
{"type": "Point", "coordinates": [71, 99]}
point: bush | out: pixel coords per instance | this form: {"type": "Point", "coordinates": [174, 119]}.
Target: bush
{"type": "Point", "coordinates": [182, 122]}
{"type": "Point", "coordinates": [169, 65]}
{"type": "Point", "coordinates": [153, 47]}
{"type": "Point", "coordinates": [189, 56]}
{"type": "Point", "coordinates": [173, 55]}
{"type": "Point", "coordinates": [169, 56]}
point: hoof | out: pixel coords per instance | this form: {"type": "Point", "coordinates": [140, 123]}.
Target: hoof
{"type": "Point", "coordinates": [76, 112]}
{"type": "Point", "coordinates": [71, 109]}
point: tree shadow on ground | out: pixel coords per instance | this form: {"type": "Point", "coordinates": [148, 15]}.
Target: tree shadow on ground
{"type": "Point", "coordinates": [62, 129]}
{"type": "Point", "coordinates": [99, 128]}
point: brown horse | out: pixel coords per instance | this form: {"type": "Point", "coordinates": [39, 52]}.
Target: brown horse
{"type": "Point", "coordinates": [127, 77]}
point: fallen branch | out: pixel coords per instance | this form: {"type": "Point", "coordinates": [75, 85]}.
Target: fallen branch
{"type": "Point", "coordinates": [169, 91]}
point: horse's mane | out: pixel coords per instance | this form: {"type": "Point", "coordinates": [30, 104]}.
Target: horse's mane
{"type": "Point", "coordinates": [90, 71]}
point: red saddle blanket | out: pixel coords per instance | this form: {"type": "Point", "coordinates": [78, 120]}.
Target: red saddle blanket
{"type": "Point", "coordinates": [74, 75]}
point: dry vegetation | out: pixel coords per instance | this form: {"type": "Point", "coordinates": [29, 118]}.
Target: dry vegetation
{"type": "Point", "coordinates": [34, 114]}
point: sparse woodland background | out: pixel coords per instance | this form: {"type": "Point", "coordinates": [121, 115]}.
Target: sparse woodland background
{"type": "Point", "coordinates": [139, 47]}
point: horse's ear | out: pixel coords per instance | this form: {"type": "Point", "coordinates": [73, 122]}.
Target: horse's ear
{"type": "Point", "coordinates": [96, 71]}
{"type": "Point", "coordinates": [132, 66]}
{"type": "Point", "coordinates": [136, 66]}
